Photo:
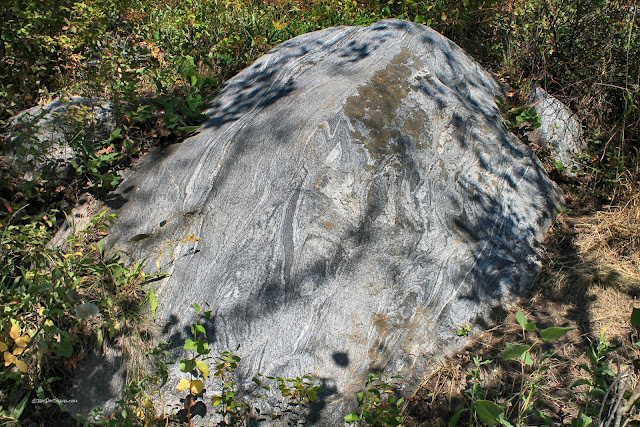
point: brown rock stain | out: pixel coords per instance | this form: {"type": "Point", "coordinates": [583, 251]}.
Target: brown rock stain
{"type": "Point", "coordinates": [378, 110]}
{"type": "Point", "coordinates": [384, 324]}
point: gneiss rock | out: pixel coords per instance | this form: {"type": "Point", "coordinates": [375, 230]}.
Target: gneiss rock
{"type": "Point", "coordinates": [560, 130]}
{"type": "Point", "coordinates": [357, 199]}
{"type": "Point", "coordinates": [39, 140]}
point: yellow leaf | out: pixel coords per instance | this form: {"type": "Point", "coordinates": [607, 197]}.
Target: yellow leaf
{"type": "Point", "coordinates": [3, 346]}
{"type": "Point", "coordinates": [279, 25]}
{"type": "Point", "coordinates": [18, 350]}
{"type": "Point", "coordinates": [23, 340]}
{"type": "Point", "coordinates": [183, 385]}
{"type": "Point", "coordinates": [148, 404]}
{"type": "Point", "coordinates": [203, 368]}
{"type": "Point", "coordinates": [21, 365]}
{"type": "Point", "coordinates": [15, 331]}
{"type": "Point", "coordinates": [216, 400]}
{"type": "Point", "coordinates": [9, 358]}
{"type": "Point", "coordinates": [196, 386]}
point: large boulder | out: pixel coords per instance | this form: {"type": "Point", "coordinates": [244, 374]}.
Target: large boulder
{"type": "Point", "coordinates": [357, 199]}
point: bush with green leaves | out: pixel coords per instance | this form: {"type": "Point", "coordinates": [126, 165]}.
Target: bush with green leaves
{"type": "Point", "coordinates": [378, 405]}
{"type": "Point", "coordinates": [520, 406]}
{"type": "Point", "coordinates": [56, 300]}
{"type": "Point", "coordinates": [610, 398]}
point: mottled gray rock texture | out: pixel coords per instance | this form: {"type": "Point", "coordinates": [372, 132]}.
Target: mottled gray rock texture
{"type": "Point", "coordinates": [560, 130]}
{"type": "Point", "coordinates": [38, 140]}
{"type": "Point", "coordinates": [357, 199]}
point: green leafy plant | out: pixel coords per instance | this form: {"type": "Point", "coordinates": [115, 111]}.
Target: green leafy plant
{"type": "Point", "coordinates": [97, 164]}
{"type": "Point", "coordinates": [598, 370]}
{"type": "Point", "coordinates": [521, 120]}
{"type": "Point", "coordinates": [534, 362]}
{"type": "Point", "coordinates": [58, 299]}
{"type": "Point", "coordinates": [228, 403]}
{"type": "Point", "coordinates": [378, 403]}
{"type": "Point", "coordinates": [463, 331]}
{"type": "Point", "coordinates": [298, 391]}
{"type": "Point", "coordinates": [479, 408]}
{"type": "Point", "coordinates": [608, 397]}
{"type": "Point", "coordinates": [196, 367]}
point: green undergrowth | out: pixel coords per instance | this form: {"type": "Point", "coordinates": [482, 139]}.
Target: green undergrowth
{"type": "Point", "coordinates": [57, 302]}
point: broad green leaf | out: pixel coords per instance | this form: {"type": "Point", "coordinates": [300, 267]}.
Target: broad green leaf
{"type": "Point", "coordinates": [65, 348]}
{"type": "Point", "coordinates": [196, 387]}
{"type": "Point", "coordinates": [190, 345]}
{"type": "Point", "coordinates": [582, 421]}
{"type": "Point", "coordinates": [153, 302]}
{"type": "Point", "coordinates": [524, 322]}
{"type": "Point", "coordinates": [453, 421]}
{"type": "Point", "coordinates": [351, 418]}
{"type": "Point", "coordinates": [17, 412]}
{"type": "Point", "coordinates": [203, 348]}
{"type": "Point", "coordinates": [514, 351]}
{"type": "Point", "coordinates": [187, 365]}
{"type": "Point", "coordinates": [521, 318]}
{"type": "Point", "coordinates": [607, 371]}
{"type": "Point", "coordinates": [553, 333]}
{"type": "Point", "coordinates": [580, 382]}
{"type": "Point", "coordinates": [526, 358]}
{"type": "Point", "coordinates": [203, 368]}
{"type": "Point", "coordinates": [635, 318]}
{"type": "Point", "coordinates": [488, 411]}
{"type": "Point", "coordinates": [197, 328]}
{"type": "Point", "coordinates": [188, 128]}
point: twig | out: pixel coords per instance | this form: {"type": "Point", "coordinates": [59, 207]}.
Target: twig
{"type": "Point", "coordinates": [627, 407]}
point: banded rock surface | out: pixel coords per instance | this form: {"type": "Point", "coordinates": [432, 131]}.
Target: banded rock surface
{"type": "Point", "coordinates": [357, 199]}
{"type": "Point", "coordinates": [39, 140]}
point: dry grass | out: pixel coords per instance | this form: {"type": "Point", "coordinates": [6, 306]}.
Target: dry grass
{"type": "Point", "coordinates": [590, 281]}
